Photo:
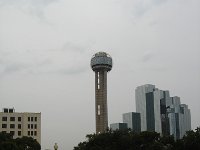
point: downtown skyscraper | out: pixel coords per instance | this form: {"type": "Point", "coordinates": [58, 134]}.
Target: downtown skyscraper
{"type": "Point", "coordinates": [179, 118]}
{"type": "Point", "coordinates": [161, 113]}
{"type": "Point", "coordinates": [148, 105]}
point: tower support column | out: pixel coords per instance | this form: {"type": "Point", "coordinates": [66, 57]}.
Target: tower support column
{"type": "Point", "coordinates": [101, 101]}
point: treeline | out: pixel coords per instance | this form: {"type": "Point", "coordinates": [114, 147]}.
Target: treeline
{"type": "Point", "coordinates": [130, 140]}
{"type": "Point", "coordinates": [25, 143]}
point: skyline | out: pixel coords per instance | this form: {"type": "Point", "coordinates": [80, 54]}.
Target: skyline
{"type": "Point", "coordinates": [156, 111]}
{"type": "Point", "coordinates": [46, 47]}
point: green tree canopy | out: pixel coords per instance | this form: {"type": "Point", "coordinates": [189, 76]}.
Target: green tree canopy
{"type": "Point", "coordinates": [130, 140]}
{"type": "Point", "coordinates": [25, 143]}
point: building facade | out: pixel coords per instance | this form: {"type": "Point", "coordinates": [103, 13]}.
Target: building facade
{"type": "Point", "coordinates": [133, 121]}
{"type": "Point", "coordinates": [21, 124]}
{"type": "Point", "coordinates": [148, 105]}
{"type": "Point", "coordinates": [161, 113]}
{"type": "Point", "coordinates": [118, 126]}
{"type": "Point", "coordinates": [179, 120]}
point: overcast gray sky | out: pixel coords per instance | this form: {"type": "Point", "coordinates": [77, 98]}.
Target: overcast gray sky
{"type": "Point", "coordinates": [46, 47]}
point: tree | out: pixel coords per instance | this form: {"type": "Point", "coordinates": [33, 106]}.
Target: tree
{"type": "Point", "coordinates": [192, 140]}
{"type": "Point", "coordinates": [120, 140]}
{"type": "Point", "coordinates": [130, 140]}
{"type": "Point", "coordinates": [8, 145]}
{"type": "Point", "coordinates": [5, 137]}
{"type": "Point", "coordinates": [25, 143]}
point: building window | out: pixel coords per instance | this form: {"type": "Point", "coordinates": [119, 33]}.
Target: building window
{"type": "Point", "coordinates": [5, 110]}
{"type": "Point", "coordinates": [19, 126]}
{"type": "Point", "coordinates": [12, 133]}
{"type": "Point", "coordinates": [35, 118]}
{"type": "Point", "coordinates": [19, 133]}
{"type": "Point", "coordinates": [4, 125]}
{"type": "Point", "coordinates": [99, 110]}
{"type": "Point", "coordinates": [4, 132]}
{"type": "Point", "coordinates": [28, 118]}
{"type": "Point", "coordinates": [31, 118]}
{"type": "Point", "coordinates": [11, 110]}
{"type": "Point", "coordinates": [29, 133]}
{"type": "Point", "coordinates": [35, 126]}
{"type": "Point", "coordinates": [31, 126]}
{"type": "Point", "coordinates": [19, 119]}
{"type": "Point", "coordinates": [35, 133]}
{"type": "Point", "coordinates": [32, 133]}
{"type": "Point", "coordinates": [12, 118]}
{"type": "Point", "coordinates": [28, 126]}
{"type": "Point", "coordinates": [12, 126]}
{"type": "Point", "coordinates": [4, 118]}
{"type": "Point", "coordinates": [98, 81]}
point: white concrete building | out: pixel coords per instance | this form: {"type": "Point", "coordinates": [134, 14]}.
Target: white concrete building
{"type": "Point", "coordinates": [21, 124]}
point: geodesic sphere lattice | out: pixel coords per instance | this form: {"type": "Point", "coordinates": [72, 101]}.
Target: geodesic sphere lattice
{"type": "Point", "coordinates": [101, 61]}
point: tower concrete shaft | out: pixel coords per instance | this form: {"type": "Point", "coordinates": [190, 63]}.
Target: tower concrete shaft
{"type": "Point", "coordinates": [101, 63]}
{"type": "Point", "coordinates": [101, 101]}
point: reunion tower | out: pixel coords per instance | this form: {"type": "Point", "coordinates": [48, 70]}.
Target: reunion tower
{"type": "Point", "coordinates": [101, 63]}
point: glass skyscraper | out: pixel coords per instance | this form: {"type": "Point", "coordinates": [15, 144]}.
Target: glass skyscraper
{"type": "Point", "coordinates": [161, 113]}
{"type": "Point", "coordinates": [179, 119]}
{"type": "Point", "coordinates": [133, 121]}
{"type": "Point", "coordinates": [148, 105]}
{"type": "Point", "coordinates": [118, 126]}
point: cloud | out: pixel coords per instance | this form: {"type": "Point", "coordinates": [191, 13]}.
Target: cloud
{"type": "Point", "coordinates": [148, 56]}
{"type": "Point", "coordinates": [73, 58]}
{"type": "Point", "coordinates": [69, 46]}
{"type": "Point", "coordinates": [14, 68]}
{"type": "Point", "coordinates": [10, 67]}
{"type": "Point", "coordinates": [73, 70]}
{"type": "Point", "coordinates": [69, 59]}
{"type": "Point", "coordinates": [26, 3]}
{"type": "Point", "coordinates": [138, 8]}
{"type": "Point", "coordinates": [32, 7]}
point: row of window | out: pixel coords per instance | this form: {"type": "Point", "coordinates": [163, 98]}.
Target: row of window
{"type": "Point", "coordinates": [11, 119]}
{"type": "Point", "coordinates": [12, 126]}
{"type": "Point", "coordinates": [32, 118]}
{"type": "Point", "coordinates": [30, 133]}
{"type": "Point", "coordinates": [32, 126]}
{"type": "Point", "coordinates": [13, 132]}
{"type": "Point", "coordinates": [19, 118]}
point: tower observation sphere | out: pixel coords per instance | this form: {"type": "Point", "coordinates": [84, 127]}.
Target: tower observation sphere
{"type": "Point", "coordinates": [101, 63]}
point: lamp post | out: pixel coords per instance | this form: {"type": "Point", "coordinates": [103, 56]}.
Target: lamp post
{"type": "Point", "coordinates": [55, 146]}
